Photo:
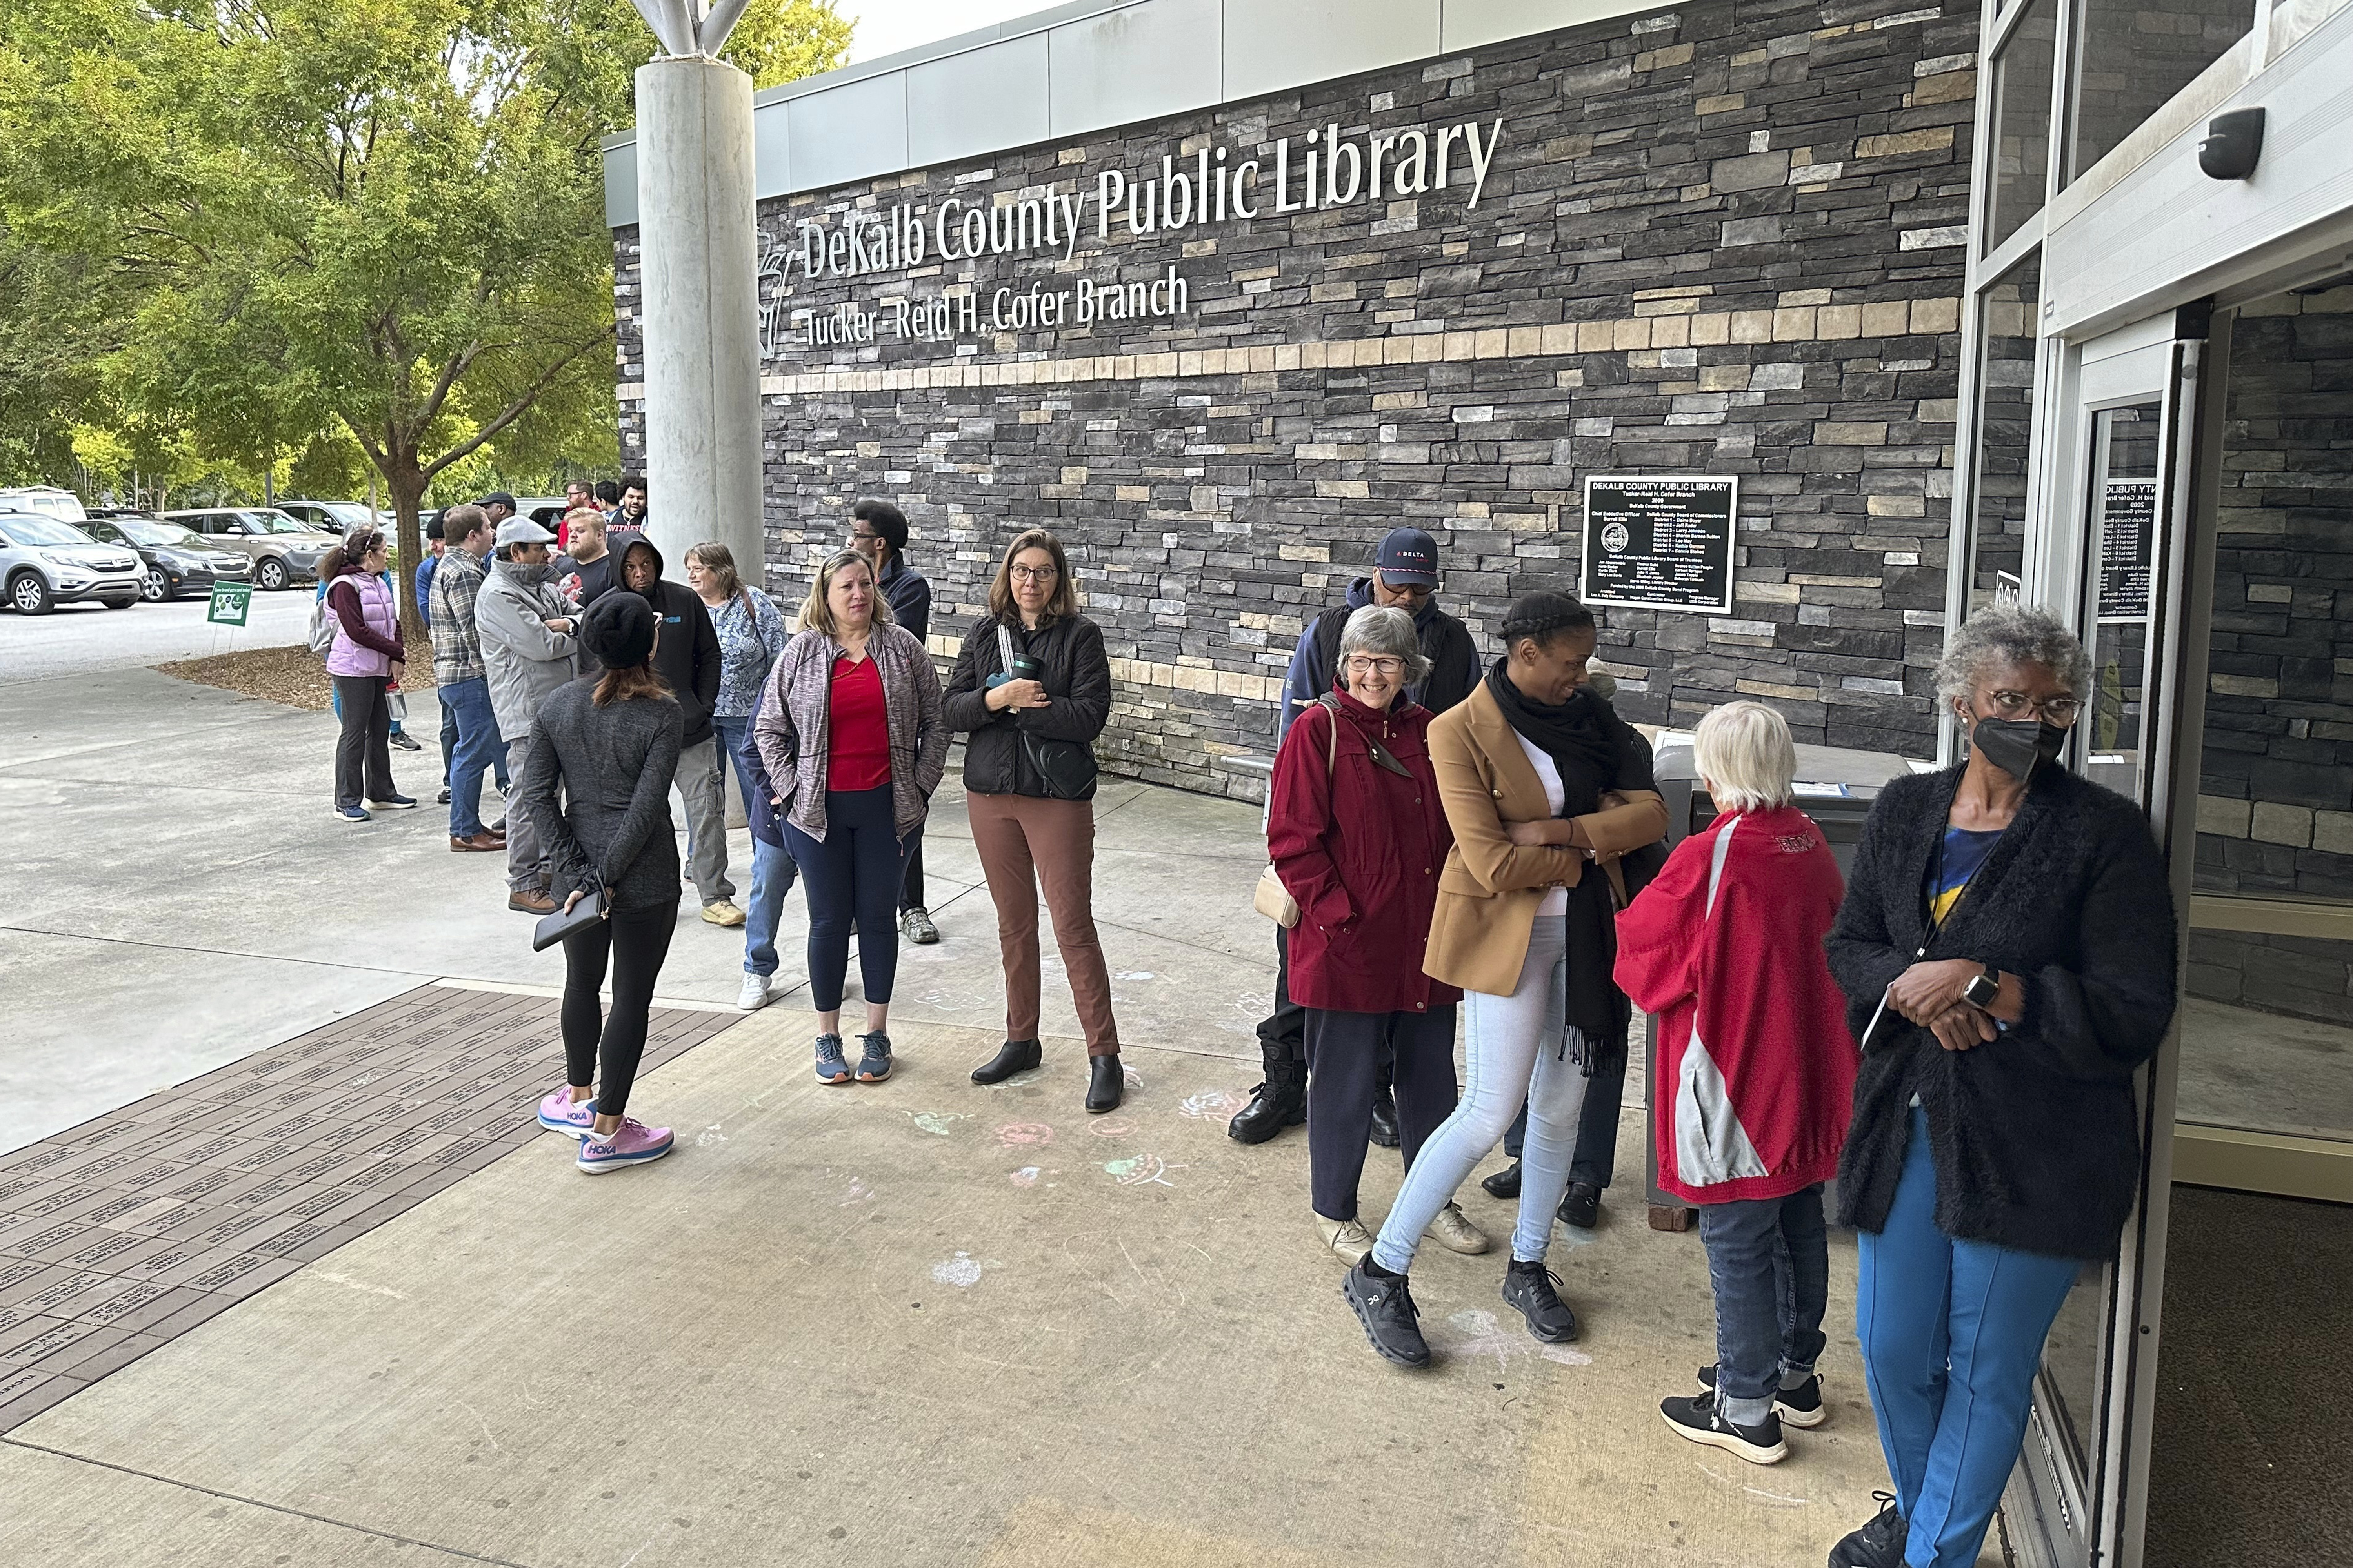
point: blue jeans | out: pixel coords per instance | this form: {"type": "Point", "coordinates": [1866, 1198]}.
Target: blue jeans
{"type": "Point", "coordinates": [853, 875]}
{"type": "Point", "coordinates": [479, 749]}
{"type": "Point", "coordinates": [772, 877]}
{"type": "Point", "coordinates": [1513, 1051]}
{"type": "Point", "coordinates": [1952, 1335]}
{"type": "Point", "coordinates": [736, 751]}
{"type": "Point", "coordinates": [1769, 1262]}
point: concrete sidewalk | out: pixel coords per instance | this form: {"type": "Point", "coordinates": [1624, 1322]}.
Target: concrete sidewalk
{"type": "Point", "coordinates": [174, 870]}
{"type": "Point", "coordinates": [919, 1322]}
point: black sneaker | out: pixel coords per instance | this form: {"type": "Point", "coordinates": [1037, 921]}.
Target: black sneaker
{"type": "Point", "coordinates": [1798, 1406]}
{"type": "Point", "coordinates": [1392, 1320]}
{"type": "Point", "coordinates": [1533, 1288]}
{"type": "Point", "coordinates": [1503, 1183]}
{"type": "Point", "coordinates": [1879, 1544]}
{"type": "Point", "coordinates": [1696, 1417]}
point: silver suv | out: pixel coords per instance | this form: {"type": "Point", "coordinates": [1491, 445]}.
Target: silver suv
{"type": "Point", "coordinates": [282, 550]}
{"type": "Point", "coordinates": [45, 564]}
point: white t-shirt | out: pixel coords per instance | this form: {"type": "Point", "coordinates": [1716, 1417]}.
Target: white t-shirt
{"type": "Point", "coordinates": [1556, 900]}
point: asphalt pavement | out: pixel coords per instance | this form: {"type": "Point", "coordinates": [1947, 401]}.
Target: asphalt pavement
{"type": "Point", "coordinates": [76, 638]}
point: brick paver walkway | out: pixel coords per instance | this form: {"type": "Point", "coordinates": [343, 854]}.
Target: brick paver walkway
{"type": "Point", "coordinates": [119, 1233]}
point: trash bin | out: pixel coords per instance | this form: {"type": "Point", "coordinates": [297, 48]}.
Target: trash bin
{"type": "Point", "coordinates": [1836, 787]}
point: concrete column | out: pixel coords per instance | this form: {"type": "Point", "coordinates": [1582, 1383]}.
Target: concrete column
{"type": "Point", "coordinates": [698, 254]}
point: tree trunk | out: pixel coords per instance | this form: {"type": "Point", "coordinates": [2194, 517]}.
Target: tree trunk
{"type": "Point", "coordinates": [406, 481]}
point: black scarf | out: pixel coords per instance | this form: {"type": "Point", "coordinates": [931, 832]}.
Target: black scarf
{"type": "Point", "coordinates": [1582, 738]}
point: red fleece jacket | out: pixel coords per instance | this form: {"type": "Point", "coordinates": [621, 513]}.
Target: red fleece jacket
{"type": "Point", "coordinates": [1754, 1067]}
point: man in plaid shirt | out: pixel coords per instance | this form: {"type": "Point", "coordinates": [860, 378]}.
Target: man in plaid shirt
{"type": "Point", "coordinates": [457, 671]}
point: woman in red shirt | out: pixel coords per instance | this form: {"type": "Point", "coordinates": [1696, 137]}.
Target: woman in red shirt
{"type": "Point", "coordinates": [852, 732]}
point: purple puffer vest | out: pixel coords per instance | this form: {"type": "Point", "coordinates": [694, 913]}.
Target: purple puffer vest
{"type": "Point", "coordinates": [348, 658]}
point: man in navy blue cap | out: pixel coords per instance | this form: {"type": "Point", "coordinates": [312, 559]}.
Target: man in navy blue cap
{"type": "Point", "coordinates": [1404, 577]}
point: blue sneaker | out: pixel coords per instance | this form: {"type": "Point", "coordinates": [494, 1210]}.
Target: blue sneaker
{"type": "Point", "coordinates": [395, 803]}
{"type": "Point", "coordinates": [874, 1059]}
{"type": "Point", "coordinates": [352, 813]}
{"type": "Point", "coordinates": [831, 1068]}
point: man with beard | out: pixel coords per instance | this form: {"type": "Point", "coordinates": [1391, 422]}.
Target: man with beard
{"type": "Point", "coordinates": [530, 649]}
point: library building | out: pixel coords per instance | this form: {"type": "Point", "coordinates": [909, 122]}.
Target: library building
{"type": "Point", "coordinates": [1783, 333]}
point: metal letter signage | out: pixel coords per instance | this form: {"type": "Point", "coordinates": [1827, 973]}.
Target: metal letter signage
{"type": "Point", "coordinates": [1171, 195]}
{"type": "Point", "coordinates": [1659, 542]}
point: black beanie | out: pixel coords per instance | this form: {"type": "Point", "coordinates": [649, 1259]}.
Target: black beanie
{"type": "Point", "coordinates": [619, 631]}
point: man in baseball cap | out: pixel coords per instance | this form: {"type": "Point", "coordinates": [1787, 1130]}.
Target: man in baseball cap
{"type": "Point", "coordinates": [498, 506]}
{"type": "Point", "coordinates": [1404, 577]}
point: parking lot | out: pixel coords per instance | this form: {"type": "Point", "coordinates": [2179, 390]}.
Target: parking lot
{"type": "Point", "coordinates": [77, 637]}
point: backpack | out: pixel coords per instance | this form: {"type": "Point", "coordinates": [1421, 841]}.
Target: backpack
{"type": "Point", "coordinates": [324, 625]}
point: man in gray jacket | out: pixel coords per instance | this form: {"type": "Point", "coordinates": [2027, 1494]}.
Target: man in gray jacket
{"type": "Point", "coordinates": [529, 650]}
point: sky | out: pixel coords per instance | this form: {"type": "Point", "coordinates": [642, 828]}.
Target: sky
{"type": "Point", "coordinates": [886, 26]}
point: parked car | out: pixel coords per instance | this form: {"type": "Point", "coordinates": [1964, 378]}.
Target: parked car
{"type": "Point", "coordinates": [282, 551]}
{"type": "Point", "coordinates": [44, 500]}
{"type": "Point", "coordinates": [177, 559]}
{"type": "Point", "coordinates": [45, 564]}
{"type": "Point", "coordinates": [334, 517]}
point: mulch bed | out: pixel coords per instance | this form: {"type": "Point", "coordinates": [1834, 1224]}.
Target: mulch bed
{"type": "Point", "coordinates": [294, 676]}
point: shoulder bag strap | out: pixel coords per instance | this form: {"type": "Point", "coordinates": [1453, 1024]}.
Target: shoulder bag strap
{"type": "Point", "coordinates": [1715, 863]}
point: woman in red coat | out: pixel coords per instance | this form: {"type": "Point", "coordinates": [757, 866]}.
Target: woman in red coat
{"type": "Point", "coordinates": [1357, 836]}
{"type": "Point", "coordinates": [1754, 1073]}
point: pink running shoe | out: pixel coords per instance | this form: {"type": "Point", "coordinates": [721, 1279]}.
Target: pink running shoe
{"type": "Point", "coordinates": [632, 1144]}
{"type": "Point", "coordinates": [559, 1112]}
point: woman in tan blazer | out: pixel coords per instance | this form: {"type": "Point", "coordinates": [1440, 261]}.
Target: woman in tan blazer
{"type": "Point", "coordinates": [1544, 787]}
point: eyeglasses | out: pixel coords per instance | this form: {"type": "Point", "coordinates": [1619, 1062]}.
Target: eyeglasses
{"type": "Point", "coordinates": [2060, 710]}
{"type": "Point", "coordinates": [1035, 573]}
{"type": "Point", "coordinates": [1365, 664]}
{"type": "Point", "coordinates": [863, 538]}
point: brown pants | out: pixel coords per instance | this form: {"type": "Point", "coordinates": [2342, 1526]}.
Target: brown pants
{"type": "Point", "coordinates": [1023, 841]}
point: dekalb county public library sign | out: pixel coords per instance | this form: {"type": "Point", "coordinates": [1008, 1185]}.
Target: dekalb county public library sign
{"type": "Point", "coordinates": [1211, 187]}
{"type": "Point", "coordinates": [1660, 543]}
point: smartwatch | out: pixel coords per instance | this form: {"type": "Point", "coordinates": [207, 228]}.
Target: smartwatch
{"type": "Point", "coordinates": [1981, 990]}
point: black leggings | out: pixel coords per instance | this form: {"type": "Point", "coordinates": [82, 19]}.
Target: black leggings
{"type": "Point", "coordinates": [364, 748]}
{"type": "Point", "coordinates": [853, 875]}
{"type": "Point", "coordinates": [638, 941]}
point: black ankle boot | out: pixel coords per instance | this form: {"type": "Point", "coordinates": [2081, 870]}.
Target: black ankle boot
{"type": "Point", "coordinates": [1012, 1057]}
{"type": "Point", "coordinates": [1106, 1083]}
{"type": "Point", "coordinates": [1385, 1121]}
{"type": "Point", "coordinates": [1276, 1104]}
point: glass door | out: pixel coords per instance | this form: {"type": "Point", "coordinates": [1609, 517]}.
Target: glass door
{"type": "Point", "coordinates": [2110, 552]}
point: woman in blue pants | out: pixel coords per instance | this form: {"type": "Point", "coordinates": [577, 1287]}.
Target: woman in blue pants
{"type": "Point", "coordinates": [2007, 948]}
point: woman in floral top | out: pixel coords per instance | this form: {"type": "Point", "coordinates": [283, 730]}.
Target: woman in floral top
{"type": "Point", "coordinates": [751, 633]}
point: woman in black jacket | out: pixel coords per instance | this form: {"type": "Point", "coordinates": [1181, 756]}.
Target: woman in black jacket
{"type": "Point", "coordinates": [611, 748]}
{"type": "Point", "coordinates": [1032, 687]}
{"type": "Point", "coordinates": [2007, 948]}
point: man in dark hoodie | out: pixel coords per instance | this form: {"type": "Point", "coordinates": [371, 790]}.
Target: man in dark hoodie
{"type": "Point", "coordinates": [686, 656]}
{"type": "Point", "coordinates": [1404, 577]}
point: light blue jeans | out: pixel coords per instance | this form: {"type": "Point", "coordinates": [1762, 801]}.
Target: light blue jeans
{"type": "Point", "coordinates": [1518, 1047]}
{"type": "Point", "coordinates": [1952, 1335]}
{"type": "Point", "coordinates": [773, 871]}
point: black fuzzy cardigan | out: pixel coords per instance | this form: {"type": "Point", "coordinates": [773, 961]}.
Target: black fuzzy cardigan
{"type": "Point", "coordinates": [2036, 1136]}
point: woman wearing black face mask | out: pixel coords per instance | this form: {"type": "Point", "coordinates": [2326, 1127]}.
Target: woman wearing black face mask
{"type": "Point", "coordinates": [2007, 950]}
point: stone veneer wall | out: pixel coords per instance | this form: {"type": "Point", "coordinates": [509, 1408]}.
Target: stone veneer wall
{"type": "Point", "coordinates": [2275, 791]}
{"type": "Point", "coordinates": [1722, 240]}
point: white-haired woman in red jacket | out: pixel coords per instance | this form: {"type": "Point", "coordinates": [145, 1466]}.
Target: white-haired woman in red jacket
{"type": "Point", "coordinates": [1755, 1071]}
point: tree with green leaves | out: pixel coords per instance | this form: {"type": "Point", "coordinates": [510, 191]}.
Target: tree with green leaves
{"type": "Point", "coordinates": [378, 221]}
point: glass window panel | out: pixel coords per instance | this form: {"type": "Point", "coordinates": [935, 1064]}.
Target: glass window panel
{"type": "Point", "coordinates": [2267, 1026]}
{"type": "Point", "coordinates": [2021, 120]}
{"type": "Point", "coordinates": [2127, 539]}
{"type": "Point", "coordinates": [2133, 55]}
{"type": "Point", "coordinates": [2006, 354]}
